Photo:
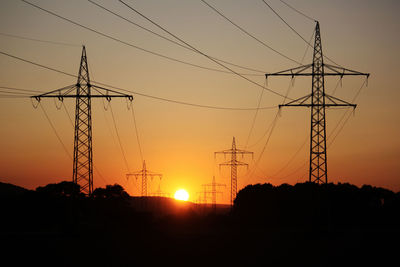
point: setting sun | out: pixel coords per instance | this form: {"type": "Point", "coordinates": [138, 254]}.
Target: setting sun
{"type": "Point", "coordinates": [181, 194]}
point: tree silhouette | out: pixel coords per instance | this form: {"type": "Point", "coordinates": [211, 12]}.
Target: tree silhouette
{"type": "Point", "coordinates": [111, 191]}
{"type": "Point", "coordinates": [60, 189]}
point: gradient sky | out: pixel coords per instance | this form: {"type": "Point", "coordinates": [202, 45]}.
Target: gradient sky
{"type": "Point", "coordinates": [178, 140]}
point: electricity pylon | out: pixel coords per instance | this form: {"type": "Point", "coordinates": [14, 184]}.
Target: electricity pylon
{"type": "Point", "coordinates": [83, 91]}
{"type": "Point", "coordinates": [233, 163]}
{"type": "Point", "coordinates": [213, 191]}
{"type": "Point", "coordinates": [144, 173]}
{"type": "Point", "coordinates": [203, 196]}
{"type": "Point", "coordinates": [160, 193]}
{"type": "Point", "coordinates": [318, 100]}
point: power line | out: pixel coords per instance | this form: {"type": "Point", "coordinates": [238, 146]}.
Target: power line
{"type": "Point", "coordinates": [12, 96]}
{"type": "Point", "coordinates": [119, 140]}
{"type": "Point", "coordinates": [62, 143]}
{"type": "Point", "coordinates": [342, 118]}
{"type": "Point", "coordinates": [292, 158]}
{"type": "Point", "coordinates": [296, 32]}
{"type": "Point", "coordinates": [269, 137]}
{"type": "Point", "coordinates": [249, 34]}
{"type": "Point", "coordinates": [136, 131]}
{"type": "Point", "coordinates": [298, 11]}
{"type": "Point", "coordinates": [66, 111]}
{"type": "Point", "coordinates": [295, 171]}
{"type": "Point", "coordinates": [284, 21]}
{"type": "Point", "coordinates": [341, 127]}
{"type": "Point", "coordinates": [55, 131]}
{"type": "Point", "coordinates": [198, 51]}
{"type": "Point", "coordinates": [137, 93]}
{"type": "Point", "coordinates": [36, 64]}
{"type": "Point", "coordinates": [259, 101]}
{"type": "Point", "coordinates": [254, 119]}
{"type": "Point", "coordinates": [307, 47]}
{"type": "Point", "coordinates": [38, 40]}
{"type": "Point", "coordinates": [126, 43]}
{"type": "Point", "coordinates": [168, 39]}
{"type": "Point", "coordinates": [273, 122]}
{"type": "Point", "coordinates": [20, 89]}
{"type": "Point", "coordinates": [15, 93]}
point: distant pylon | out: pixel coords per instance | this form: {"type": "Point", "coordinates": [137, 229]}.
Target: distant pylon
{"type": "Point", "coordinates": [144, 173]}
{"type": "Point", "coordinates": [233, 163]}
{"type": "Point", "coordinates": [160, 193]}
{"type": "Point", "coordinates": [318, 101]}
{"type": "Point", "coordinates": [82, 173]}
{"type": "Point", "coordinates": [213, 191]}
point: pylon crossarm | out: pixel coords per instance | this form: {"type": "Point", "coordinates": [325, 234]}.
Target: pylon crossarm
{"type": "Point", "coordinates": [230, 162]}
{"type": "Point", "coordinates": [154, 174]}
{"type": "Point", "coordinates": [80, 96]}
{"type": "Point", "coordinates": [336, 102]}
{"type": "Point", "coordinates": [240, 151]}
{"type": "Point", "coordinates": [330, 101]}
{"type": "Point", "coordinates": [297, 102]}
{"type": "Point", "coordinates": [216, 184]}
{"type": "Point", "coordinates": [342, 71]}
{"type": "Point", "coordinates": [65, 93]}
{"type": "Point", "coordinates": [228, 151]}
{"type": "Point", "coordinates": [59, 93]}
{"type": "Point", "coordinates": [335, 71]}
{"type": "Point", "coordinates": [297, 71]}
{"type": "Point", "coordinates": [101, 91]}
{"type": "Point", "coordinates": [134, 174]}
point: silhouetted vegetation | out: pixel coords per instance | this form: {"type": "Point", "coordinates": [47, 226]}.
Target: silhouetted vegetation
{"type": "Point", "coordinates": [313, 206]}
{"type": "Point", "coordinates": [301, 225]}
{"type": "Point", "coordinates": [111, 191]}
{"type": "Point", "coordinates": [59, 190]}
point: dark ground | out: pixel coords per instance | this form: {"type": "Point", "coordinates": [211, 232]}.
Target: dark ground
{"type": "Point", "coordinates": [301, 225]}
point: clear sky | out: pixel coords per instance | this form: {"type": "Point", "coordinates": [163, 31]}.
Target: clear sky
{"type": "Point", "coordinates": [179, 141]}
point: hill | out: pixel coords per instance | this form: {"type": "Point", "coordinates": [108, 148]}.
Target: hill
{"type": "Point", "coordinates": [10, 190]}
{"type": "Point", "coordinates": [300, 225]}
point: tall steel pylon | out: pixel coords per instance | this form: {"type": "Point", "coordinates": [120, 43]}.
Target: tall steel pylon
{"type": "Point", "coordinates": [213, 191]}
{"type": "Point", "coordinates": [82, 173]}
{"type": "Point", "coordinates": [233, 163]}
{"type": "Point", "coordinates": [318, 100]}
{"type": "Point", "coordinates": [144, 173]}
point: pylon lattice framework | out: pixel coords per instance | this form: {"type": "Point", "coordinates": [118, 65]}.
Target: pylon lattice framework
{"type": "Point", "coordinates": [233, 163]}
{"type": "Point", "coordinates": [82, 173]}
{"type": "Point", "coordinates": [144, 174]}
{"type": "Point", "coordinates": [213, 191]}
{"type": "Point", "coordinates": [319, 101]}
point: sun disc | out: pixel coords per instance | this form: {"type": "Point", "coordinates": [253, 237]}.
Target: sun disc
{"type": "Point", "coordinates": [181, 194]}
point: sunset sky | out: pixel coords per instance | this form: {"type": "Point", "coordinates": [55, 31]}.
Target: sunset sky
{"type": "Point", "coordinates": [177, 140]}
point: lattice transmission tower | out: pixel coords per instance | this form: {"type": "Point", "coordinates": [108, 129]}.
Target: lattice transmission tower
{"type": "Point", "coordinates": [318, 100]}
{"type": "Point", "coordinates": [233, 163]}
{"type": "Point", "coordinates": [211, 188]}
{"type": "Point", "coordinates": [144, 173]}
{"type": "Point", "coordinates": [83, 91]}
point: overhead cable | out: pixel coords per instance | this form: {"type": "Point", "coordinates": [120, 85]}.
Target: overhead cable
{"type": "Point", "coordinates": [249, 34]}
{"type": "Point", "coordinates": [38, 40]}
{"type": "Point", "coordinates": [168, 39]}
{"type": "Point", "coordinates": [126, 43]}
{"type": "Point", "coordinates": [200, 52]}
{"type": "Point", "coordinates": [296, 32]}
{"type": "Point", "coordinates": [138, 93]}
{"type": "Point", "coordinates": [298, 11]}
